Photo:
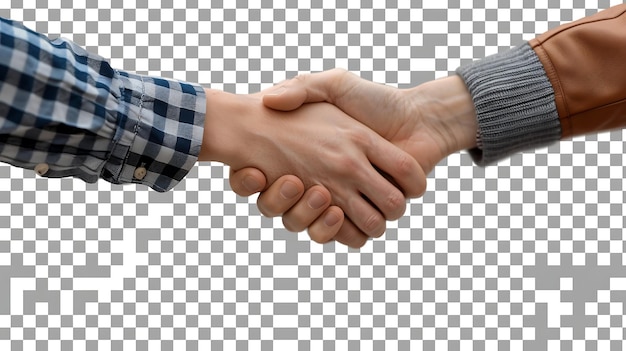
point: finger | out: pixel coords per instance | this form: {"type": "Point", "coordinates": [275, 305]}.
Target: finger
{"type": "Point", "coordinates": [350, 235]}
{"type": "Point", "coordinates": [280, 196]}
{"type": "Point", "coordinates": [247, 181]}
{"type": "Point", "coordinates": [405, 171]}
{"type": "Point", "coordinates": [366, 218]}
{"type": "Point", "coordinates": [382, 195]}
{"type": "Point", "coordinates": [326, 226]}
{"type": "Point", "coordinates": [308, 209]}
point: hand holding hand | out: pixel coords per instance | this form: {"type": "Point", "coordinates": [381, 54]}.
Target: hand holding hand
{"type": "Point", "coordinates": [319, 144]}
{"type": "Point", "coordinates": [430, 121]}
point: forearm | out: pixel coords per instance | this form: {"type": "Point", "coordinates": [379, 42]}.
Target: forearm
{"type": "Point", "coordinates": [68, 110]}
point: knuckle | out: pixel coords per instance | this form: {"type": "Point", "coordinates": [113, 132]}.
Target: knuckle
{"type": "Point", "coordinates": [301, 78]}
{"type": "Point", "coordinates": [374, 225]}
{"type": "Point", "coordinates": [339, 73]}
{"type": "Point", "coordinates": [339, 81]}
{"type": "Point", "coordinates": [396, 205]}
{"type": "Point", "coordinates": [348, 166]}
{"type": "Point", "coordinates": [404, 165]}
{"type": "Point", "coordinates": [361, 136]}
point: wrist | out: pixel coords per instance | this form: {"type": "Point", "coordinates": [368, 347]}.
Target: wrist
{"type": "Point", "coordinates": [450, 103]}
{"type": "Point", "coordinates": [222, 129]}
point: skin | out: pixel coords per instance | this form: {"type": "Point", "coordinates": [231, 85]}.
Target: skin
{"type": "Point", "coordinates": [430, 122]}
{"type": "Point", "coordinates": [241, 132]}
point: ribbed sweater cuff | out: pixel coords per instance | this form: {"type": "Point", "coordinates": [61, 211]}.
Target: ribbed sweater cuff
{"type": "Point", "coordinates": [514, 103]}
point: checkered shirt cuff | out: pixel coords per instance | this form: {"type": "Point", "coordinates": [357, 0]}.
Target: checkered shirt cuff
{"type": "Point", "coordinates": [160, 128]}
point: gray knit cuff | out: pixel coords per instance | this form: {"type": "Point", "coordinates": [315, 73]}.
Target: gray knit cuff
{"type": "Point", "coordinates": [514, 103]}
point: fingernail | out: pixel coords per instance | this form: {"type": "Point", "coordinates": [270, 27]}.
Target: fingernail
{"type": "Point", "coordinates": [289, 190]}
{"type": "Point", "coordinates": [277, 92]}
{"type": "Point", "coordinates": [331, 219]}
{"type": "Point", "coordinates": [316, 200]}
{"type": "Point", "coordinates": [251, 184]}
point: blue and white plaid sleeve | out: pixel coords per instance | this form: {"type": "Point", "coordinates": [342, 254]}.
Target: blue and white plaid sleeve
{"type": "Point", "coordinates": [66, 112]}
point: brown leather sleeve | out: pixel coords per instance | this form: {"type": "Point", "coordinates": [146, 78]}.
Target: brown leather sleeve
{"type": "Point", "coordinates": [586, 64]}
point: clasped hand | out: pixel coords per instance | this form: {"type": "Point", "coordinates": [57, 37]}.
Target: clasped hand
{"type": "Point", "coordinates": [340, 170]}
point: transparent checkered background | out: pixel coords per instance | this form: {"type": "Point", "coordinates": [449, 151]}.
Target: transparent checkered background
{"type": "Point", "coordinates": [528, 254]}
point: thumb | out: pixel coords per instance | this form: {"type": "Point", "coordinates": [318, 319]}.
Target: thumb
{"type": "Point", "coordinates": [285, 97]}
{"type": "Point", "coordinates": [315, 87]}
{"type": "Point", "coordinates": [305, 88]}
{"type": "Point", "coordinates": [247, 181]}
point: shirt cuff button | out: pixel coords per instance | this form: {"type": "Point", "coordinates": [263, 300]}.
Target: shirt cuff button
{"type": "Point", "coordinates": [42, 168]}
{"type": "Point", "coordinates": [140, 173]}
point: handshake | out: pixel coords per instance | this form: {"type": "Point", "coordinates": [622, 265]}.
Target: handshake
{"type": "Point", "coordinates": [334, 153]}
{"type": "Point", "coordinates": [328, 151]}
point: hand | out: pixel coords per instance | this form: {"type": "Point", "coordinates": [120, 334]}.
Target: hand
{"type": "Point", "coordinates": [320, 145]}
{"type": "Point", "coordinates": [430, 121]}
{"type": "Point", "coordinates": [322, 224]}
